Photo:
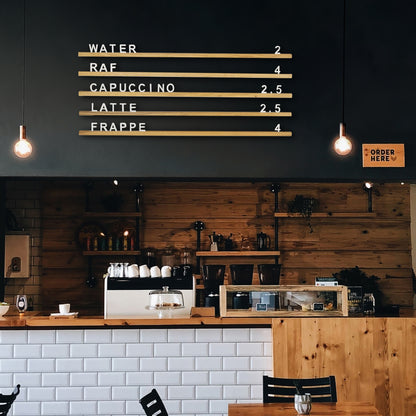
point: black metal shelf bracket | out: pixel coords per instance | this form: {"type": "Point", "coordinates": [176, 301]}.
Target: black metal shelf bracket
{"type": "Point", "coordinates": [275, 189]}
{"type": "Point", "coordinates": [91, 280]}
{"type": "Point", "coordinates": [138, 189]}
{"type": "Point", "coordinates": [198, 227]}
{"type": "Point", "coordinates": [368, 187]}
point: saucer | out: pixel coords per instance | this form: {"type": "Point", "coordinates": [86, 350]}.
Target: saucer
{"type": "Point", "coordinates": [65, 314]}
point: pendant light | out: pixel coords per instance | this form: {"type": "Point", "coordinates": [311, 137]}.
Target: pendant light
{"type": "Point", "coordinates": [23, 147]}
{"type": "Point", "coordinates": [342, 144]}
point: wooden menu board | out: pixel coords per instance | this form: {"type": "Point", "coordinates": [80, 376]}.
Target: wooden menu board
{"type": "Point", "coordinates": [106, 84]}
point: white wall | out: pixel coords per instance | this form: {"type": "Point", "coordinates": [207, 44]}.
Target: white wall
{"type": "Point", "coordinates": [106, 371]}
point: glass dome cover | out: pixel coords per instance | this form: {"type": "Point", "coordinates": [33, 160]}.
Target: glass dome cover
{"type": "Point", "coordinates": [165, 299]}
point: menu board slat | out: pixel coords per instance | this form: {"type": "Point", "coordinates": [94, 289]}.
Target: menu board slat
{"type": "Point", "coordinates": [182, 94]}
{"type": "Point", "coordinates": [187, 133]}
{"type": "Point", "coordinates": [184, 55]}
{"type": "Point", "coordinates": [181, 74]}
{"type": "Point", "coordinates": [186, 113]}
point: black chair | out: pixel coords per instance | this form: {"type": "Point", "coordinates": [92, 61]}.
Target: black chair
{"type": "Point", "coordinates": [283, 389]}
{"type": "Point", "coordinates": [6, 400]}
{"type": "Point", "coordinates": [152, 404]}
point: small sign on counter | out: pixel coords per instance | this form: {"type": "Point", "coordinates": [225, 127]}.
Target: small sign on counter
{"type": "Point", "coordinates": [383, 155]}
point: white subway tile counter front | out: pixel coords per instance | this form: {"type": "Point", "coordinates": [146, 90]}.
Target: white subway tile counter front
{"type": "Point", "coordinates": [197, 371]}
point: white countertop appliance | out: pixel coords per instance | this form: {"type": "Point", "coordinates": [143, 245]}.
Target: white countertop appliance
{"type": "Point", "coordinates": [129, 297]}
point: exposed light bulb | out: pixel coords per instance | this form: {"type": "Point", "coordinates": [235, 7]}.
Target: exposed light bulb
{"type": "Point", "coordinates": [368, 185]}
{"type": "Point", "coordinates": [115, 182]}
{"type": "Point", "coordinates": [22, 148]}
{"type": "Point", "coordinates": [342, 144]}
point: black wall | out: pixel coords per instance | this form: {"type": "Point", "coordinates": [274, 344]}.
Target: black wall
{"type": "Point", "coordinates": [380, 86]}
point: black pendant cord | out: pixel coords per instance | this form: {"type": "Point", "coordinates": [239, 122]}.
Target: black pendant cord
{"type": "Point", "coordinates": [24, 63]}
{"type": "Point", "coordinates": [343, 63]}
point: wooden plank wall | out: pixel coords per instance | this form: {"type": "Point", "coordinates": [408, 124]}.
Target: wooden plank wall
{"type": "Point", "coordinates": [372, 359]}
{"type": "Point", "coordinates": [379, 245]}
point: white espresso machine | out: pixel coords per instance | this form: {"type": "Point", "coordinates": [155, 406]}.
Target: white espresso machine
{"type": "Point", "coordinates": [129, 297]}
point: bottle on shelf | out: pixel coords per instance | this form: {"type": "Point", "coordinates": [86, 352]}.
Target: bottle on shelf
{"type": "Point", "coordinates": [369, 304]}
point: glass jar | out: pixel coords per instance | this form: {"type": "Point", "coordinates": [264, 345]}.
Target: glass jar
{"type": "Point", "coordinates": [186, 255]}
{"type": "Point", "coordinates": [150, 257]}
{"type": "Point", "coordinates": [169, 257]}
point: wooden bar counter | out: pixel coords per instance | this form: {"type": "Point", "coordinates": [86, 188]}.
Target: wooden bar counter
{"type": "Point", "coordinates": [34, 320]}
{"type": "Point", "coordinates": [372, 358]}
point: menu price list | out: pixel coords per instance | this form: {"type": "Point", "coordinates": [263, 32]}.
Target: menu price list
{"type": "Point", "coordinates": [111, 97]}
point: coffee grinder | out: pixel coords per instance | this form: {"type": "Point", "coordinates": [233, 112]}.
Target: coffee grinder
{"type": "Point", "coordinates": [213, 275]}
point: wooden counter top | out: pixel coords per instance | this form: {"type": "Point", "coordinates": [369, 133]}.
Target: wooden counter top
{"type": "Point", "coordinates": [42, 320]}
{"type": "Point", "coordinates": [33, 320]}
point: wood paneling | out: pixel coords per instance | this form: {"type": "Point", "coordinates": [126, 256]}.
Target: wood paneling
{"type": "Point", "coordinates": [378, 245]}
{"type": "Point", "coordinates": [372, 358]}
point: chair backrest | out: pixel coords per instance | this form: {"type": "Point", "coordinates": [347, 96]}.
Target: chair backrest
{"type": "Point", "coordinates": [283, 389]}
{"type": "Point", "coordinates": [6, 400]}
{"type": "Point", "coordinates": [152, 404]}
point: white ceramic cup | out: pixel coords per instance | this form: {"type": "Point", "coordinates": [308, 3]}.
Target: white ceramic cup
{"type": "Point", "coordinates": [64, 308]}
{"type": "Point", "coordinates": [166, 271]}
{"type": "Point", "coordinates": [133, 270]}
{"type": "Point", "coordinates": [155, 271]}
{"type": "Point", "coordinates": [144, 271]}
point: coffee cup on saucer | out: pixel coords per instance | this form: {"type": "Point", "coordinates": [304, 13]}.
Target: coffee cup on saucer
{"type": "Point", "coordinates": [64, 308]}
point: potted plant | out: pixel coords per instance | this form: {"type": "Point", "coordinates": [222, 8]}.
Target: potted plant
{"type": "Point", "coordinates": [304, 206]}
{"type": "Point", "coordinates": [356, 277]}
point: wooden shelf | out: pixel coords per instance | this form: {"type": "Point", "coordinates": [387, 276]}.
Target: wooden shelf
{"type": "Point", "coordinates": [112, 214]}
{"type": "Point", "coordinates": [265, 253]}
{"type": "Point", "coordinates": [327, 215]}
{"type": "Point", "coordinates": [111, 253]}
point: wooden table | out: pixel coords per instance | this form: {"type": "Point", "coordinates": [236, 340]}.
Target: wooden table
{"type": "Point", "coordinates": [318, 409]}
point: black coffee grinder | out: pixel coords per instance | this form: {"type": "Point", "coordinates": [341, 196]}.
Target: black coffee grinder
{"type": "Point", "coordinates": [213, 275]}
{"type": "Point", "coordinates": [241, 274]}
